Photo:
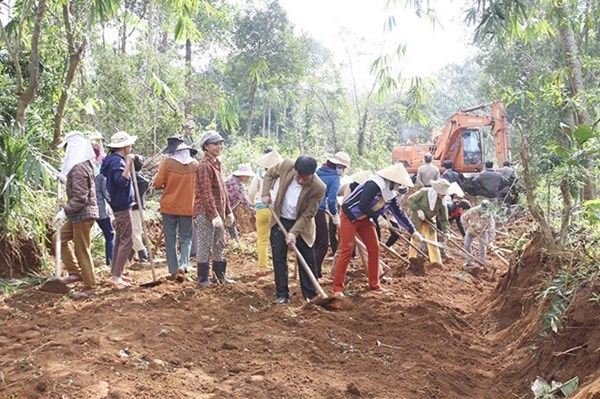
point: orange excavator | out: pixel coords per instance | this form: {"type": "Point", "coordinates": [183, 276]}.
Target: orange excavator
{"type": "Point", "coordinates": [461, 140]}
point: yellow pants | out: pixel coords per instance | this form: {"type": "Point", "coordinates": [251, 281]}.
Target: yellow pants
{"type": "Point", "coordinates": [78, 257]}
{"type": "Point", "coordinates": [430, 234]}
{"type": "Point", "coordinates": [262, 236]}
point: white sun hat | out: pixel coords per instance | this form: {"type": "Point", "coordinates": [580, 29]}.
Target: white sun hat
{"type": "Point", "coordinates": [244, 169]}
{"type": "Point", "coordinates": [340, 158]}
{"type": "Point", "coordinates": [441, 186]}
{"type": "Point", "coordinates": [121, 139]}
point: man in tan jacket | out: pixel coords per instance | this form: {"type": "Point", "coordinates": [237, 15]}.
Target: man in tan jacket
{"type": "Point", "coordinates": [296, 202]}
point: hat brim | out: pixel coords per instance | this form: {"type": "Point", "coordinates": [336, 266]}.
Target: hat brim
{"type": "Point", "coordinates": [240, 174]}
{"type": "Point", "coordinates": [269, 160]}
{"type": "Point", "coordinates": [122, 144]}
{"type": "Point", "coordinates": [396, 173]}
{"type": "Point", "coordinates": [455, 189]}
{"type": "Point", "coordinates": [339, 161]}
{"type": "Point", "coordinates": [440, 188]}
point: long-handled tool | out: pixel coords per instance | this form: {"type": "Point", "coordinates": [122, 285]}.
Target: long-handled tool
{"type": "Point", "coordinates": [325, 300]}
{"type": "Point", "coordinates": [383, 267]}
{"type": "Point", "coordinates": [56, 285]}
{"type": "Point", "coordinates": [460, 247]}
{"type": "Point", "coordinates": [138, 199]}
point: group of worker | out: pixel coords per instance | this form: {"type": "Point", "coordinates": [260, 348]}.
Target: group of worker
{"type": "Point", "coordinates": [295, 203]}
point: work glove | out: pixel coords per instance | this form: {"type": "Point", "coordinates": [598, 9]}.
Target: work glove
{"type": "Point", "coordinates": [421, 214]}
{"type": "Point", "coordinates": [217, 222]}
{"type": "Point", "coordinates": [266, 200]}
{"type": "Point", "coordinates": [230, 220]}
{"type": "Point", "coordinates": [336, 219]}
{"type": "Point", "coordinates": [417, 237]}
{"type": "Point", "coordinates": [62, 178]}
{"type": "Point", "coordinates": [60, 218]}
{"type": "Point", "coordinates": [290, 239]}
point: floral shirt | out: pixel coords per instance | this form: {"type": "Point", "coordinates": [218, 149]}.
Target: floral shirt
{"type": "Point", "coordinates": [236, 193]}
{"type": "Point", "coordinates": [479, 222]}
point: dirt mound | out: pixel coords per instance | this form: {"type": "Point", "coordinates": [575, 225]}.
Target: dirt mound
{"type": "Point", "coordinates": [176, 340]}
{"type": "Point", "coordinates": [20, 259]}
{"type": "Point", "coordinates": [244, 219]}
{"type": "Point", "coordinates": [513, 320]}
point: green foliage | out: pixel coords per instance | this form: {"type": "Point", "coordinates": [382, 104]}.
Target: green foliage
{"type": "Point", "coordinates": [23, 175]}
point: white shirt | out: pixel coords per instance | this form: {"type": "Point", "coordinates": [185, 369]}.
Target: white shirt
{"type": "Point", "coordinates": [289, 204]}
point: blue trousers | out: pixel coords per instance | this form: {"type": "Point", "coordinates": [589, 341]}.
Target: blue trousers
{"type": "Point", "coordinates": [174, 226]}
{"type": "Point", "coordinates": [109, 238]}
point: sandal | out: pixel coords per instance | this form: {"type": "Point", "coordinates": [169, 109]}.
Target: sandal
{"type": "Point", "coordinates": [118, 283]}
{"type": "Point", "coordinates": [72, 278]}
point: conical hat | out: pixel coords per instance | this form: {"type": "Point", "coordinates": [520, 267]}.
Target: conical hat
{"type": "Point", "coordinates": [269, 159]}
{"type": "Point", "coordinates": [360, 177]}
{"type": "Point", "coordinates": [396, 173]}
{"type": "Point", "coordinates": [455, 190]}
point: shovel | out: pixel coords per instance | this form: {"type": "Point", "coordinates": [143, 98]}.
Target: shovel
{"type": "Point", "coordinates": [325, 301]}
{"type": "Point", "coordinates": [56, 285]}
{"type": "Point", "coordinates": [138, 199]}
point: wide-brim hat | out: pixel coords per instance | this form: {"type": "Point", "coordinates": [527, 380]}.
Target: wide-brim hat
{"type": "Point", "coordinates": [441, 186]}
{"type": "Point", "coordinates": [121, 139]}
{"type": "Point", "coordinates": [244, 169]}
{"type": "Point", "coordinates": [69, 136]}
{"type": "Point", "coordinates": [455, 190]}
{"type": "Point", "coordinates": [340, 158]}
{"type": "Point", "coordinates": [184, 146]}
{"type": "Point", "coordinates": [396, 173]}
{"type": "Point", "coordinates": [360, 177]}
{"type": "Point", "coordinates": [172, 144]}
{"type": "Point", "coordinates": [96, 136]}
{"type": "Point", "coordinates": [269, 159]}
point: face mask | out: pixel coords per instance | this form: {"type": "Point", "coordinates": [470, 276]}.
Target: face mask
{"type": "Point", "coordinates": [340, 170]}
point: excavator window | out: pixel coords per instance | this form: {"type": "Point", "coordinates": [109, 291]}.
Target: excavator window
{"type": "Point", "coordinates": [471, 141]}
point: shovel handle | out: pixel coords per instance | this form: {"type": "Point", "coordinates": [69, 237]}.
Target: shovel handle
{"type": "Point", "coordinates": [58, 243]}
{"type": "Point", "coordinates": [138, 199]}
{"type": "Point", "coordinates": [311, 276]}
{"type": "Point", "coordinates": [457, 245]}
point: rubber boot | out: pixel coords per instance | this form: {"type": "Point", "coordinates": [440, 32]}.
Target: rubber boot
{"type": "Point", "coordinates": [203, 280]}
{"type": "Point", "coordinates": [219, 268]}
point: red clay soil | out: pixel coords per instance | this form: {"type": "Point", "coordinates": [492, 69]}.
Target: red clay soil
{"type": "Point", "coordinates": [446, 334]}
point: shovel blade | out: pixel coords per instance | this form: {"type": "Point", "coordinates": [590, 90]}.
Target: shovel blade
{"type": "Point", "coordinates": [151, 284]}
{"type": "Point", "coordinates": [55, 286]}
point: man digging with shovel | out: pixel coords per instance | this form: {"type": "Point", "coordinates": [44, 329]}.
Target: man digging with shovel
{"type": "Point", "coordinates": [296, 203]}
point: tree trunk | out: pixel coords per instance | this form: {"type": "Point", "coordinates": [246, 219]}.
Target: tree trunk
{"type": "Point", "coordinates": [188, 78]}
{"type": "Point", "coordinates": [362, 127]}
{"type": "Point", "coordinates": [123, 47]}
{"type": "Point", "coordinates": [251, 108]}
{"type": "Point", "coordinates": [74, 58]}
{"type": "Point", "coordinates": [565, 190]}
{"type": "Point", "coordinates": [534, 209]}
{"type": "Point", "coordinates": [64, 96]}
{"type": "Point", "coordinates": [269, 120]}
{"type": "Point", "coordinates": [570, 51]}
{"type": "Point", "coordinates": [25, 98]}
{"type": "Point", "coordinates": [331, 122]}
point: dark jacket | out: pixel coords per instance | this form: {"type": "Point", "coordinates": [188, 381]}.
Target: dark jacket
{"type": "Point", "coordinates": [453, 176]}
{"type": "Point", "coordinates": [366, 201]}
{"type": "Point", "coordinates": [142, 183]}
{"type": "Point", "coordinates": [489, 183]}
{"type": "Point", "coordinates": [331, 179]}
{"type": "Point", "coordinates": [119, 189]}
{"type": "Point", "coordinates": [81, 193]}
{"type": "Point", "coordinates": [454, 213]}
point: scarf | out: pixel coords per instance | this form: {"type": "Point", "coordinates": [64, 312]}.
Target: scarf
{"type": "Point", "coordinates": [79, 149]}
{"type": "Point", "coordinates": [182, 156]}
{"type": "Point", "coordinates": [432, 198]}
{"type": "Point", "coordinates": [384, 185]}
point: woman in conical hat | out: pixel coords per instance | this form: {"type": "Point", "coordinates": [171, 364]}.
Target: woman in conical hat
{"type": "Point", "coordinates": [369, 200]}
